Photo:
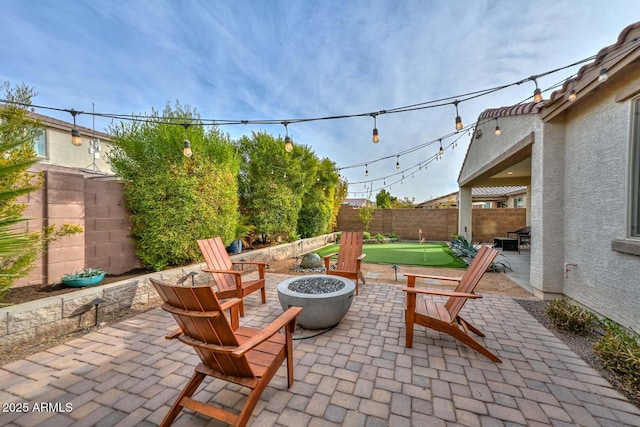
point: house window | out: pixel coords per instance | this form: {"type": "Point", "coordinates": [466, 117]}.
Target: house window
{"type": "Point", "coordinates": [518, 202]}
{"type": "Point", "coordinates": [501, 204]}
{"type": "Point", "coordinates": [635, 174]}
{"type": "Point", "coordinates": [40, 145]}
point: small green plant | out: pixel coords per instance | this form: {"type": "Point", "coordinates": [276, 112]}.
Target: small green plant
{"type": "Point", "coordinates": [366, 235]}
{"type": "Point", "coordinates": [570, 317]}
{"type": "Point", "coordinates": [87, 272]}
{"type": "Point", "coordinates": [393, 236]}
{"type": "Point", "coordinates": [379, 237]}
{"type": "Point", "coordinates": [619, 350]}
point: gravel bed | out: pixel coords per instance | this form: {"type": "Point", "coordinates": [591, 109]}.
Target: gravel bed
{"type": "Point", "coordinates": [299, 269]}
{"type": "Point", "coordinates": [582, 345]}
{"type": "Point", "coordinates": [316, 285]}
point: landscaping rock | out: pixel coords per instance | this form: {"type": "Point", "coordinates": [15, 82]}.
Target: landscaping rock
{"type": "Point", "coordinates": [311, 260]}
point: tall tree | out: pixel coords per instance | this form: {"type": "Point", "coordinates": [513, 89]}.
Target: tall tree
{"type": "Point", "coordinates": [383, 199]}
{"type": "Point", "coordinates": [174, 199]}
{"type": "Point", "coordinates": [273, 182]}
{"type": "Point", "coordinates": [317, 204]}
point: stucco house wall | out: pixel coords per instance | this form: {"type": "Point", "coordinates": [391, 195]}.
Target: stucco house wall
{"type": "Point", "coordinates": [597, 142]}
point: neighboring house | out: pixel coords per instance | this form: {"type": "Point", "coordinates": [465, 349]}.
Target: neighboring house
{"type": "Point", "coordinates": [580, 160]}
{"type": "Point", "coordinates": [356, 203]}
{"type": "Point", "coordinates": [54, 146]}
{"type": "Point", "coordinates": [482, 197]}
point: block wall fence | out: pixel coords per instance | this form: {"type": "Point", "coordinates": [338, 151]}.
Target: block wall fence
{"type": "Point", "coordinates": [436, 224]}
{"type": "Point", "coordinates": [96, 203]}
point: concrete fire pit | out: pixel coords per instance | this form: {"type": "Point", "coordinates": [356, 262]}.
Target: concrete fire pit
{"type": "Point", "coordinates": [325, 299]}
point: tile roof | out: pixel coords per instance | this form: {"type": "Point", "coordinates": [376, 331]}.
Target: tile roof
{"type": "Point", "coordinates": [513, 110]}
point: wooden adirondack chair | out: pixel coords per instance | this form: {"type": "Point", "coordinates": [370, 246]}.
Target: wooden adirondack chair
{"type": "Point", "coordinates": [444, 317]}
{"type": "Point", "coordinates": [349, 257]}
{"type": "Point", "coordinates": [246, 356]}
{"type": "Point", "coordinates": [229, 281]}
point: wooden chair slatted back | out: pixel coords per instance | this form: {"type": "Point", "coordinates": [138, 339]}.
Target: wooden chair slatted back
{"type": "Point", "coordinates": [350, 249]}
{"type": "Point", "coordinates": [212, 328]}
{"type": "Point", "coordinates": [217, 258]}
{"type": "Point", "coordinates": [471, 278]}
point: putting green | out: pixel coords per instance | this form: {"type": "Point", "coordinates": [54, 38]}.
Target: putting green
{"type": "Point", "coordinates": [431, 254]}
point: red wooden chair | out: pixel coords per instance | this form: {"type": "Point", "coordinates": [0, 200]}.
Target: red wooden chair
{"type": "Point", "coordinates": [349, 257]}
{"type": "Point", "coordinates": [444, 317]}
{"type": "Point", "coordinates": [246, 356]}
{"type": "Point", "coordinates": [229, 281]}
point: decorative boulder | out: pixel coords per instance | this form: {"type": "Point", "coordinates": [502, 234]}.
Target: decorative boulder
{"type": "Point", "coordinates": [311, 260]}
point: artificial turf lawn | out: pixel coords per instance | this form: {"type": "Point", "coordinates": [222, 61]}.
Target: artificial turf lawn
{"type": "Point", "coordinates": [431, 254]}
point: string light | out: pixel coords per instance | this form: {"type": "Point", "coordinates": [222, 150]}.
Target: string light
{"type": "Point", "coordinates": [498, 131]}
{"type": "Point", "coordinates": [186, 144]}
{"type": "Point", "coordinates": [397, 162]}
{"type": "Point", "coordinates": [288, 143]}
{"type": "Point", "coordinates": [366, 171]}
{"type": "Point", "coordinates": [376, 136]}
{"type": "Point", "coordinates": [537, 93]}
{"type": "Point", "coordinates": [603, 75]}
{"type": "Point", "coordinates": [572, 95]}
{"type": "Point", "coordinates": [459, 125]}
{"type": "Point", "coordinates": [75, 133]}
{"type": "Point", "coordinates": [441, 150]}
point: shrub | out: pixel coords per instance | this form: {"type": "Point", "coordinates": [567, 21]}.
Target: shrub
{"type": "Point", "coordinates": [570, 317]}
{"type": "Point", "coordinates": [393, 236]}
{"type": "Point", "coordinates": [366, 235]}
{"type": "Point", "coordinates": [379, 237]}
{"type": "Point", "coordinates": [619, 350]}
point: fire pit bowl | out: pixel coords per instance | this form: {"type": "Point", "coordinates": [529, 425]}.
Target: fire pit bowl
{"type": "Point", "coordinates": [325, 299]}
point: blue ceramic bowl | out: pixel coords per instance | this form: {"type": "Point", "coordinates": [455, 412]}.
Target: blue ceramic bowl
{"type": "Point", "coordinates": [83, 281]}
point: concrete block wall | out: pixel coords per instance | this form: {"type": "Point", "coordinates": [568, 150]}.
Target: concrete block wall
{"type": "Point", "coordinates": [108, 244]}
{"type": "Point", "coordinates": [95, 203]}
{"type": "Point", "coordinates": [436, 224]}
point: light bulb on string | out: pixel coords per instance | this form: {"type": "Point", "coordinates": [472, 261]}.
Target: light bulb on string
{"type": "Point", "coordinates": [441, 150]}
{"type": "Point", "coordinates": [498, 131]}
{"type": "Point", "coordinates": [572, 95]}
{"type": "Point", "coordinates": [366, 170]}
{"type": "Point", "coordinates": [288, 142]}
{"type": "Point", "coordinates": [537, 93]}
{"type": "Point", "coordinates": [397, 162]}
{"type": "Point", "coordinates": [459, 125]}
{"type": "Point", "coordinates": [376, 136]}
{"type": "Point", "coordinates": [186, 150]}
{"type": "Point", "coordinates": [603, 75]}
{"type": "Point", "coordinates": [75, 133]}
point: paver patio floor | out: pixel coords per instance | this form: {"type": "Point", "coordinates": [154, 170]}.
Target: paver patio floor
{"type": "Point", "coordinates": [357, 374]}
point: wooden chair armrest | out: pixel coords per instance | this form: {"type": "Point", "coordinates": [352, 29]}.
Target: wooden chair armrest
{"type": "Point", "coordinates": [361, 257]}
{"type": "Point", "coordinates": [228, 304]}
{"type": "Point", "coordinates": [266, 333]}
{"type": "Point", "coordinates": [236, 272]}
{"type": "Point", "coordinates": [330, 255]}
{"type": "Point", "coordinates": [430, 276]}
{"type": "Point", "coordinates": [173, 335]}
{"type": "Point", "coordinates": [249, 262]}
{"type": "Point", "coordinates": [280, 322]}
{"type": "Point", "coordinates": [440, 293]}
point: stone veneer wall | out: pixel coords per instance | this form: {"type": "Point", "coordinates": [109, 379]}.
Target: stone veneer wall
{"type": "Point", "coordinates": [36, 320]}
{"type": "Point", "coordinates": [436, 224]}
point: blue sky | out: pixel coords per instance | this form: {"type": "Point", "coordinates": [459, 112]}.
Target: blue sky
{"type": "Point", "coordinates": [252, 60]}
